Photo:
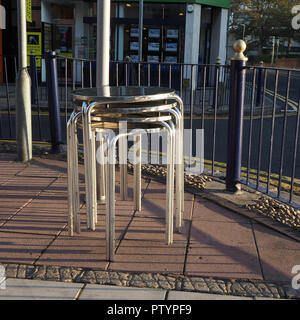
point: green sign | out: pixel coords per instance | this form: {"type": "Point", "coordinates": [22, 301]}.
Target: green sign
{"type": "Point", "coordinates": [214, 3]}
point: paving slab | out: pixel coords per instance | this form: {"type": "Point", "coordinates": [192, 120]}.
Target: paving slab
{"type": "Point", "coordinates": [31, 222]}
{"type": "Point", "coordinates": [205, 210]}
{"type": "Point", "coordinates": [22, 247]}
{"type": "Point", "coordinates": [76, 251]}
{"type": "Point", "coordinates": [157, 190]}
{"type": "Point", "coordinates": [156, 208]}
{"type": "Point", "coordinates": [227, 233]}
{"type": "Point", "coordinates": [24, 289]}
{"type": "Point", "coordinates": [278, 254]}
{"type": "Point", "coordinates": [98, 292]}
{"type": "Point", "coordinates": [45, 167]}
{"type": "Point", "coordinates": [222, 248]}
{"type": "Point", "coordinates": [27, 184]}
{"type": "Point", "coordinates": [223, 261]}
{"type": "Point", "coordinates": [149, 256]}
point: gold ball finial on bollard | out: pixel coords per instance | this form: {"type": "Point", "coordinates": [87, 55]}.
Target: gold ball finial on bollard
{"type": "Point", "coordinates": [239, 47]}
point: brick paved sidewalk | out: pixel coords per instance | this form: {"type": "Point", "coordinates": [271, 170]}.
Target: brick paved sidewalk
{"type": "Point", "coordinates": [218, 248]}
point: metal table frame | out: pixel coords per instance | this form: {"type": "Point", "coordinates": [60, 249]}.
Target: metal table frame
{"type": "Point", "coordinates": [91, 103]}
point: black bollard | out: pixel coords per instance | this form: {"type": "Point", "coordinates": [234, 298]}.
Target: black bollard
{"type": "Point", "coordinates": [236, 113]}
{"type": "Point", "coordinates": [53, 102]}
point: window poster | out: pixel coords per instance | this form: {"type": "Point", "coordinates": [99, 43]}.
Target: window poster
{"type": "Point", "coordinates": [134, 45]}
{"type": "Point", "coordinates": [154, 33]}
{"type": "Point", "coordinates": [170, 59]}
{"type": "Point", "coordinates": [171, 47]}
{"type": "Point", "coordinates": [152, 58]}
{"type": "Point", "coordinates": [172, 33]}
{"type": "Point", "coordinates": [153, 46]}
{"type": "Point", "coordinates": [134, 58]}
{"type": "Point", "coordinates": [134, 32]}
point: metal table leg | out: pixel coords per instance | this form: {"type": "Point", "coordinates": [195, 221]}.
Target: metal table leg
{"type": "Point", "coordinates": [123, 151]}
{"type": "Point", "coordinates": [137, 164]}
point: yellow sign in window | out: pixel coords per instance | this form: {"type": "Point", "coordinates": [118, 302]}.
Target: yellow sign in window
{"type": "Point", "coordinates": [28, 11]}
{"type": "Point", "coordinates": [34, 46]}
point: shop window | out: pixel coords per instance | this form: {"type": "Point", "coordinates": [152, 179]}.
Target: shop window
{"type": "Point", "coordinates": [131, 10]}
{"type": "Point", "coordinates": [206, 15]}
{"type": "Point", "coordinates": [63, 36]}
{"type": "Point", "coordinates": [62, 12]}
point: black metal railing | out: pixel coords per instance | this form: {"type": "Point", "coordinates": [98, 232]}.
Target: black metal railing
{"type": "Point", "coordinates": [272, 132]}
{"type": "Point", "coordinates": [270, 153]}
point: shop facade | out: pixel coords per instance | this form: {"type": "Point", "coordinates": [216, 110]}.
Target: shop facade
{"type": "Point", "coordinates": [174, 31]}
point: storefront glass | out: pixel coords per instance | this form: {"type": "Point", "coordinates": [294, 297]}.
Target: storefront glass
{"type": "Point", "coordinates": [163, 32]}
{"type": "Point", "coordinates": [205, 35]}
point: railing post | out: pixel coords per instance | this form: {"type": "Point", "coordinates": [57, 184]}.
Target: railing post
{"type": "Point", "coordinates": [33, 78]}
{"type": "Point", "coordinates": [259, 83]}
{"type": "Point", "coordinates": [216, 84]}
{"type": "Point", "coordinates": [53, 102]}
{"type": "Point", "coordinates": [236, 112]}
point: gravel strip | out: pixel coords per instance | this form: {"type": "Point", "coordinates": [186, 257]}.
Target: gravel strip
{"type": "Point", "coordinates": [274, 209]}
{"type": "Point", "coordinates": [244, 288]}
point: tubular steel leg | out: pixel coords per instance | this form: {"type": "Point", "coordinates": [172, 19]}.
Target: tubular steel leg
{"type": "Point", "coordinates": [73, 185]}
{"type": "Point", "coordinates": [70, 180]}
{"type": "Point", "coordinates": [178, 179]}
{"type": "Point", "coordinates": [100, 168]}
{"type": "Point", "coordinates": [123, 150]}
{"type": "Point", "coordinates": [181, 109]}
{"type": "Point", "coordinates": [89, 166]}
{"type": "Point", "coordinates": [137, 195]}
{"type": "Point", "coordinates": [90, 169]}
{"type": "Point", "coordinates": [75, 174]}
{"type": "Point", "coordinates": [170, 183]}
{"type": "Point", "coordinates": [86, 160]}
{"type": "Point", "coordinates": [89, 194]}
{"type": "Point", "coordinates": [110, 201]}
{"type": "Point", "coordinates": [93, 213]}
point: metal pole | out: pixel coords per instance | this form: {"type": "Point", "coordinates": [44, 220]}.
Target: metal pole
{"type": "Point", "coordinates": [236, 112]}
{"type": "Point", "coordinates": [277, 48]}
{"type": "Point", "coordinates": [273, 50]}
{"type": "Point", "coordinates": [103, 33]}
{"type": "Point", "coordinates": [259, 83]}
{"type": "Point", "coordinates": [23, 92]}
{"type": "Point", "coordinates": [102, 79]}
{"type": "Point", "coordinates": [141, 27]}
{"type": "Point", "coordinates": [244, 29]}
